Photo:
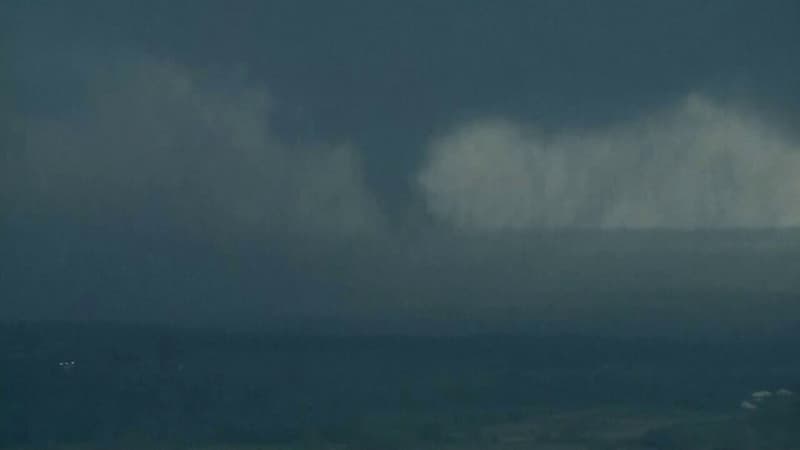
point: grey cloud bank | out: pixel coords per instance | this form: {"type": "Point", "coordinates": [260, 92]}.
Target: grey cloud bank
{"type": "Point", "coordinates": [699, 164]}
{"type": "Point", "coordinates": [151, 133]}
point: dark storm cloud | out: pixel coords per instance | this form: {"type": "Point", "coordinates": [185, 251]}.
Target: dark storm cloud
{"type": "Point", "coordinates": [440, 167]}
{"type": "Point", "coordinates": [154, 136]}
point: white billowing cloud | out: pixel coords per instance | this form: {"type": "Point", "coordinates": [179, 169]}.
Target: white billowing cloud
{"type": "Point", "coordinates": [152, 132]}
{"type": "Point", "coordinates": [699, 164]}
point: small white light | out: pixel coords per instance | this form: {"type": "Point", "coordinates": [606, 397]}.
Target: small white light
{"type": "Point", "coordinates": [761, 395]}
{"type": "Point", "coordinates": [747, 405]}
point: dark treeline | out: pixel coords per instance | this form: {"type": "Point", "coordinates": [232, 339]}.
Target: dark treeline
{"type": "Point", "coordinates": [155, 383]}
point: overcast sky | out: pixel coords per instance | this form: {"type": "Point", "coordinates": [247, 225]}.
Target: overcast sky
{"type": "Point", "coordinates": [435, 167]}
